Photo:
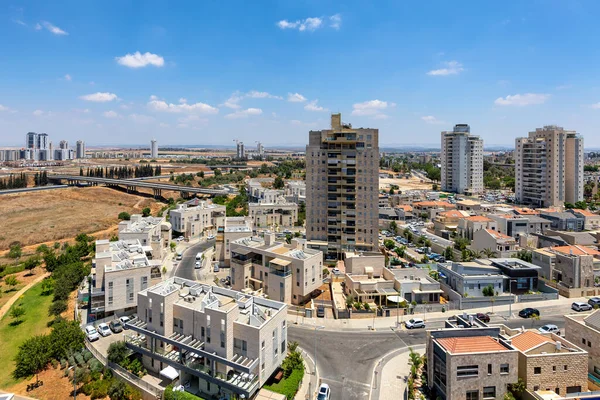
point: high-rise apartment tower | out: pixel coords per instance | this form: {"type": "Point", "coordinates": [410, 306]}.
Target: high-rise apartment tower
{"type": "Point", "coordinates": [549, 167]}
{"type": "Point", "coordinates": [342, 186]}
{"type": "Point", "coordinates": [80, 149]}
{"type": "Point", "coordinates": [462, 161]}
{"type": "Point", "coordinates": [153, 148]}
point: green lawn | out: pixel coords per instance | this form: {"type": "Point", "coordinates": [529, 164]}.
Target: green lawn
{"type": "Point", "coordinates": [34, 323]}
{"type": "Point", "coordinates": [288, 386]}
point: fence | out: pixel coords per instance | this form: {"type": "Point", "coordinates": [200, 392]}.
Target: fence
{"type": "Point", "coordinates": [150, 391]}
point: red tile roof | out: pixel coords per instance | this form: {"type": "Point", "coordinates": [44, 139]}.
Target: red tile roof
{"type": "Point", "coordinates": [585, 213]}
{"type": "Point", "coordinates": [480, 218]}
{"type": "Point", "coordinates": [473, 344]}
{"type": "Point", "coordinates": [498, 235]}
{"type": "Point", "coordinates": [576, 250]}
{"type": "Point", "coordinates": [434, 203]}
{"type": "Point", "coordinates": [529, 339]}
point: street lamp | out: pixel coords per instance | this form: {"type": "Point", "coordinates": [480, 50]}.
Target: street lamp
{"type": "Point", "coordinates": [74, 382]}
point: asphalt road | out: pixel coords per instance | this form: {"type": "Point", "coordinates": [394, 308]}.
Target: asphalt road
{"type": "Point", "coordinates": [186, 267]}
{"type": "Point", "coordinates": [346, 359]}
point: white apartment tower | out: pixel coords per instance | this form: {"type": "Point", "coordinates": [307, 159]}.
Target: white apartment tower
{"type": "Point", "coordinates": [153, 148]}
{"type": "Point", "coordinates": [462, 161]}
{"type": "Point", "coordinates": [80, 149]}
{"type": "Point", "coordinates": [240, 152]}
{"type": "Point", "coordinates": [549, 167]}
{"type": "Point", "coordinates": [342, 186]}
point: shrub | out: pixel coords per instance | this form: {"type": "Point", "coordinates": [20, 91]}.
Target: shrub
{"type": "Point", "coordinates": [289, 386]}
{"type": "Point", "coordinates": [57, 307]}
{"type": "Point", "coordinates": [87, 355]}
{"type": "Point", "coordinates": [54, 364]}
{"type": "Point", "coordinates": [63, 363]}
{"type": "Point", "coordinates": [32, 357]}
{"type": "Point", "coordinates": [95, 366]}
{"type": "Point", "coordinates": [124, 216]}
{"type": "Point", "coordinates": [117, 352]}
{"type": "Point", "coordinates": [170, 395]}
{"type": "Point", "coordinates": [79, 359]}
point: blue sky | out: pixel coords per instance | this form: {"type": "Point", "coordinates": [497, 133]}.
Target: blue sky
{"type": "Point", "coordinates": [209, 72]}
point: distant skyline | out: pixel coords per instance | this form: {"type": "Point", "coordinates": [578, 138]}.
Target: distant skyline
{"type": "Point", "coordinates": [114, 73]}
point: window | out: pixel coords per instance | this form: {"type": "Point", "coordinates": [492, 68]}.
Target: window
{"type": "Point", "coordinates": [589, 344]}
{"type": "Point", "coordinates": [489, 392]}
{"type": "Point", "coordinates": [583, 340]}
{"type": "Point", "coordinates": [489, 369]}
{"type": "Point", "coordinates": [537, 370]}
{"type": "Point", "coordinates": [144, 284]}
{"type": "Point", "coordinates": [554, 368]}
{"type": "Point", "coordinates": [467, 371]}
{"type": "Point", "coordinates": [566, 367]}
{"type": "Point", "coordinates": [472, 394]}
{"type": "Point", "coordinates": [504, 368]}
{"type": "Point", "coordinates": [110, 294]}
{"type": "Point", "coordinates": [129, 289]}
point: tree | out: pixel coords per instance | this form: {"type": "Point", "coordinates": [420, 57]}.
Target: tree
{"type": "Point", "coordinates": [31, 263]}
{"type": "Point", "coordinates": [293, 361]}
{"type": "Point", "coordinates": [11, 281]}
{"type": "Point", "coordinates": [15, 251]}
{"type": "Point", "coordinates": [394, 227]}
{"type": "Point", "coordinates": [278, 183]}
{"type": "Point", "coordinates": [389, 244]}
{"type": "Point", "coordinates": [524, 255]}
{"type": "Point", "coordinates": [117, 352]}
{"type": "Point", "coordinates": [124, 216]}
{"type": "Point", "coordinates": [173, 246]}
{"type": "Point", "coordinates": [569, 206]}
{"type": "Point", "coordinates": [489, 253]}
{"type": "Point", "coordinates": [466, 255]}
{"type": "Point", "coordinates": [118, 390]}
{"type": "Point", "coordinates": [57, 307]}
{"type": "Point", "coordinates": [518, 388]}
{"type": "Point", "coordinates": [32, 357]}
{"type": "Point", "coordinates": [42, 249]}
{"type": "Point", "coordinates": [534, 317]}
{"type": "Point", "coordinates": [401, 251]}
{"type": "Point", "coordinates": [449, 254]}
{"type": "Point", "coordinates": [146, 212]}
{"type": "Point", "coordinates": [488, 291]}
{"type": "Point", "coordinates": [581, 205]}
{"type": "Point", "coordinates": [66, 337]}
{"type": "Point", "coordinates": [16, 313]}
{"type": "Point", "coordinates": [461, 243]}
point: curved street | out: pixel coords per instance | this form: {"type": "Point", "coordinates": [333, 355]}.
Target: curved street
{"type": "Point", "coordinates": [186, 267]}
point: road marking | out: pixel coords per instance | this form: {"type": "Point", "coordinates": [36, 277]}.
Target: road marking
{"type": "Point", "coordinates": [346, 380]}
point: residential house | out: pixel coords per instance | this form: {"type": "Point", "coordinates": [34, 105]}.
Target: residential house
{"type": "Point", "coordinates": [503, 245]}
{"type": "Point", "coordinates": [432, 207]}
{"type": "Point", "coordinates": [295, 191]}
{"type": "Point", "coordinates": [469, 279]}
{"type": "Point", "coordinates": [468, 226]}
{"type": "Point", "coordinates": [447, 221]}
{"type": "Point", "coordinates": [234, 228]}
{"type": "Point", "coordinates": [572, 266]}
{"type": "Point", "coordinates": [563, 221]}
{"type": "Point", "coordinates": [519, 225]}
{"type": "Point", "coordinates": [150, 231]}
{"type": "Point", "coordinates": [591, 220]}
{"type": "Point", "coordinates": [468, 205]}
{"type": "Point", "coordinates": [199, 220]}
{"type": "Point", "coordinates": [584, 329]}
{"type": "Point", "coordinates": [277, 214]}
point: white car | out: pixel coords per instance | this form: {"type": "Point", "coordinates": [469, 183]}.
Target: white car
{"type": "Point", "coordinates": [335, 271]}
{"type": "Point", "coordinates": [414, 323]}
{"type": "Point", "coordinates": [580, 306]}
{"type": "Point", "coordinates": [91, 333]}
{"type": "Point", "coordinates": [197, 264]}
{"type": "Point", "coordinates": [104, 330]}
{"type": "Point", "coordinates": [549, 328]}
{"type": "Point", "coordinates": [324, 392]}
{"type": "Point", "coordinates": [210, 237]}
{"type": "Point", "coordinates": [124, 320]}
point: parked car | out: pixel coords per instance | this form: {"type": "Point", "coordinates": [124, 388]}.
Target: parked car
{"type": "Point", "coordinates": [197, 265]}
{"type": "Point", "coordinates": [104, 329]}
{"type": "Point", "coordinates": [124, 320]}
{"type": "Point", "coordinates": [580, 306]}
{"type": "Point", "coordinates": [549, 328]}
{"type": "Point", "coordinates": [210, 237]}
{"type": "Point", "coordinates": [321, 312]}
{"type": "Point", "coordinates": [91, 333]}
{"type": "Point", "coordinates": [115, 326]}
{"type": "Point", "coordinates": [528, 312]}
{"type": "Point", "coordinates": [324, 392]}
{"type": "Point", "coordinates": [482, 317]}
{"type": "Point", "coordinates": [335, 271]}
{"type": "Point", "coordinates": [414, 323]}
{"type": "Point", "coordinates": [594, 301]}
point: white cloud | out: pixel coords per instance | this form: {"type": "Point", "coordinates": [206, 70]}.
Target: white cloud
{"type": "Point", "coordinates": [430, 119]}
{"type": "Point", "coordinates": [452, 68]}
{"type": "Point", "coordinates": [68, 78]}
{"type": "Point", "coordinates": [564, 87]}
{"type": "Point", "coordinates": [139, 60]}
{"type": "Point", "coordinates": [124, 107]}
{"type": "Point", "coordinates": [41, 113]}
{"type": "Point", "coordinates": [372, 108]}
{"type": "Point", "coordinates": [163, 125]}
{"type": "Point", "coordinates": [311, 24]}
{"type": "Point", "coordinates": [82, 110]}
{"type": "Point", "coordinates": [296, 98]}
{"type": "Point", "coordinates": [6, 109]}
{"type": "Point", "coordinates": [191, 118]}
{"type": "Point", "coordinates": [182, 100]}
{"type": "Point", "coordinates": [111, 114]}
{"type": "Point", "coordinates": [335, 21]}
{"type": "Point", "coordinates": [99, 97]}
{"type": "Point", "coordinates": [141, 118]}
{"type": "Point", "coordinates": [18, 21]}
{"type": "Point", "coordinates": [233, 100]}
{"type": "Point", "coordinates": [296, 122]}
{"type": "Point", "coordinates": [182, 126]}
{"type": "Point", "coordinates": [520, 100]}
{"type": "Point", "coordinates": [312, 106]}
{"type": "Point", "coordinates": [253, 94]}
{"type": "Point", "coordinates": [38, 27]}
{"type": "Point", "coordinates": [51, 28]}
{"type": "Point", "coordinates": [595, 106]}
{"type": "Point", "coordinates": [244, 113]}
{"type": "Point", "coordinates": [162, 106]}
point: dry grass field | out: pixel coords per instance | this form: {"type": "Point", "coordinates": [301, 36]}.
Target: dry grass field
{"type": "Point", "coordinates": [54, 215]}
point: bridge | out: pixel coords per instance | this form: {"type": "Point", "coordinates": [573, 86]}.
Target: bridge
{"type": "Point", "coordinates": [132, 185]}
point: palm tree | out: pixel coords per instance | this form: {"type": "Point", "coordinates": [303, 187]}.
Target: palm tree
{"type": "Point", "coordinates": [476, 254]}
{"type": "Point", "coordinates": [489, 253]}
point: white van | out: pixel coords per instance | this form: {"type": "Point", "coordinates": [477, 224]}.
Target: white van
{"type": "Point", "coordinates": [198, 256]}
{"type": "Point", "coordinates": [179, 255]}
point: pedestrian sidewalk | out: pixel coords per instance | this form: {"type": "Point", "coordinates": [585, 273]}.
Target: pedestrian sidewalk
{"type": "Point", "coordinates": [16, 296]}
{"type": "Point", "coordinates": [557, 307]}
{"type": "Point", "coordinates": [310, 381]}
{"type": "Point", "coordinates": [390, 373]}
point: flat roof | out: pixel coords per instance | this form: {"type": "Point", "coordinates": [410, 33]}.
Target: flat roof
{"type": "Point", "coordinates": [472, 344]}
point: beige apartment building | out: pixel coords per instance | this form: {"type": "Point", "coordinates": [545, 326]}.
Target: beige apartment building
{"type": "Point", "coordinates": [462, 161]}
{"type": "Point", "coordinates": [278, 214]}
{"type": "Point", "coordinates": [342, 186]}
{"type": "Point", "coordinates": [233, 228]}
{"type": "Point", "coordinates": [572, 266]}
{"type": "Point", "coordinates": [504, 246]}
{"type": "Point", "coordinates": [584, 329]}
{"type": "Point", "coordinates": [549, 167]}
{"type": "Point", "coordinates": [197, 221]}
{"type": "Point", "coordinates": [221, 343]}
{"type": "Point", "coordinates": [289, 273]}
{"type": "Point", "coordinates": [468, 226]}
{"type": "Point", "coordinates": [154, 232]}
{"type": "Point", "coordinates": [120, 270]}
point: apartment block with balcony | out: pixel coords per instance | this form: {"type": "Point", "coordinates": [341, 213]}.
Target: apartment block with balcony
{"type": "Point", "coordinates": [584, 329]}
{"type": "Point", "coordinates": [199, 220]}
{"type": "Point", "coordinates": [150, 231]}
{"type": "Point", "coordinates": [570, 266]}
{"type": "Point", "coordinates": [295, 191]}
{"type": "Point", "coordinates": [277, 214]}
{"type": "Point", "coordinates": [342, 186]}
{"type": "Point", "coordinates": [290, 273]}
{"type": "Point", "coordinates": [233, 228]}
{"type": "Point", "coordinates": [549, 167]}
{"type": "Point", "coordinates": [462, 161]}
{"type": "Point", "coordinates": [222, 343]}
{"type": "Point", "coordinates": [120, 270]}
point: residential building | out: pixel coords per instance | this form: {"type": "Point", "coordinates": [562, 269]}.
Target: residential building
{"type": "Point", "coordinates": [469, 279]}
{"type": "Point", "coordinates": [563, 221]}
{"type": "Point", "coordinates": [591, 221]}
{"type": "Point", "coordinates": [153, 148]}
{"type": "Point", "coordinates": [289, 273]}
{"type": "Point", "coordinates": [549, 362]}
{"type": "Point", "coordinates": [80, 149]}
{"type": "Point", "coordinates": [279, 213]}
{"type": "Point", "coordinates": [233, 228]}
{"type": "Point", "coordinates": [221, 343]}
{"type": "Point", "coordinates": [260, 189]}
{"type": "Point", "coordinates": [518, 225]}
{"type": "Point", "coordinates": [462, 161]}
{"type": "Point", "coordinates": [199, 220]}
{"type": "Point", "coordinates": [240, 152]}
{"type": "Point", "coordinates": [448, 221]}
{"type": "Point", "coordinates": [584, 329]}
{"type": "Point", "coordinates": [468, 205]}
{"type": "Point", "coordinates": [521, 276]}
{"type": "Point", "coordinates": [572, 266]}
{"type": "Point", "coordinates": [503, 245]}
{"type": "Point", "coordinates": [468, 226]}
{"type": "Point", "coordinates": [295, 191]}
{"type": "Point", "coordinates": [549, 167]}
{"type": "Point", "coordinates": [154, 233]}
{"type": "Point", "coordinates": [120, 270]}
{"type": "Point", "coordinates": [342, 187]}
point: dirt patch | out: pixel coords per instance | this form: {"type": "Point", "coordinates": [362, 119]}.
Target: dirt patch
{"type": "Point", "coordinates": [54, 215]}
{"type": "Point", "coordinates": [56, 386]}
{"type": "Point", "coordinates": [404, 185]}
